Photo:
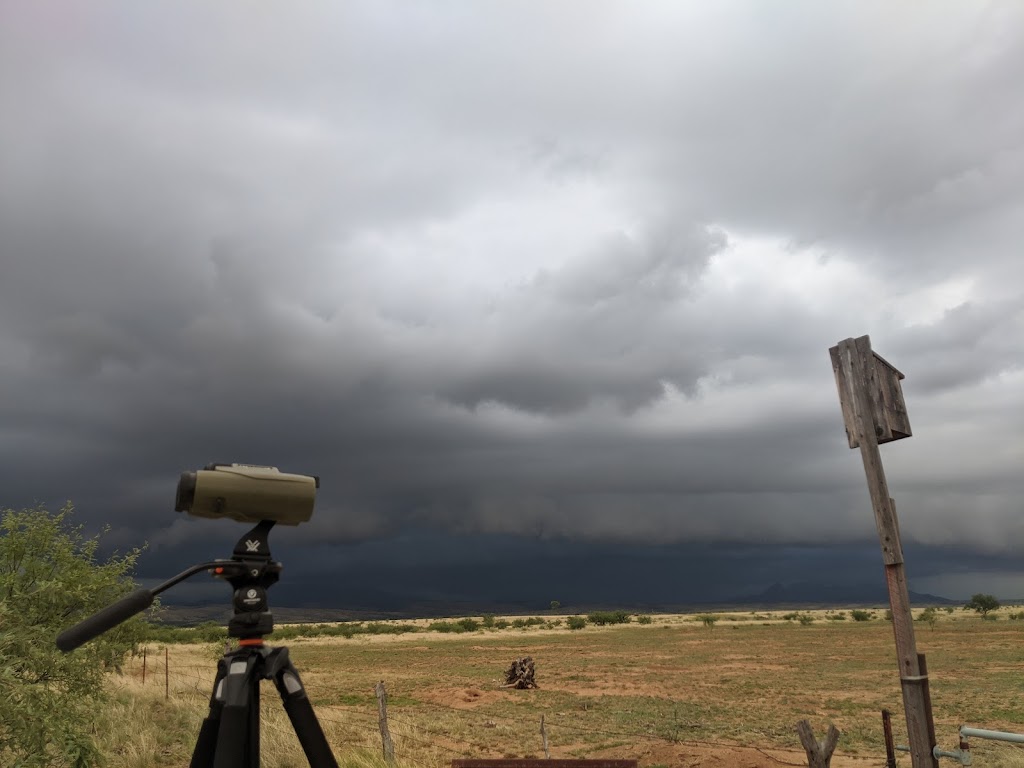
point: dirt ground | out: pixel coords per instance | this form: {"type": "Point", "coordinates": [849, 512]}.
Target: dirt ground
{"type": "Point", "coordinates": [670, 693]}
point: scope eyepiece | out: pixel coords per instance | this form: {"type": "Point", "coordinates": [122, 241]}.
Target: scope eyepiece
{"type": "Point", "coordinates": [185, 496]}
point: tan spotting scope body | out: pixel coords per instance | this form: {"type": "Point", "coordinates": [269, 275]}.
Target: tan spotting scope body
{"type": "Point", "coordinates": [247, 493]}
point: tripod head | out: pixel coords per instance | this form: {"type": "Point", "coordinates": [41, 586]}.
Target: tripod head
{"type": "Point", "coordinates": [250, 570]}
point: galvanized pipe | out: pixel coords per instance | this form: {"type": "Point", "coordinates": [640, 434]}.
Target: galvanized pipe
{"type": "Point", "coordinates": [962, 756]}
{"type": "Point", "coordinates": [983, 733]}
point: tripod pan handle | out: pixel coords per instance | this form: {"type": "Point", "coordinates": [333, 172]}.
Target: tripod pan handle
{"type": "Point", "coordinates": [105, 619]}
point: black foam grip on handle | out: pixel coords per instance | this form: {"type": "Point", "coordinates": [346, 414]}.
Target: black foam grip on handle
{"type": "Point", "coordinates": [100, 622]}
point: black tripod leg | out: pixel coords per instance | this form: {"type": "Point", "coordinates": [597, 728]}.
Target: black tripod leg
{"type": "Point", "coordinates": [299, 709]}
{"type": "Point", "coordinates": [206, 744]}
{"type": "Point", "coordinates": [238, 738]}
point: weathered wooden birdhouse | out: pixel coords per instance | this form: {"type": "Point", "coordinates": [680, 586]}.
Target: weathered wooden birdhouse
{"type": "Point", "coordinates": [885, 412]}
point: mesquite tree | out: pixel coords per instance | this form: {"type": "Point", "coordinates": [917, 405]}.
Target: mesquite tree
{"type": "Point", "coordinates": [51, 578]}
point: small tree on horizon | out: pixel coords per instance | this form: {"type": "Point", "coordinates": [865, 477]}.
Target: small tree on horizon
{"type": "Point", "coordinates": [982, 603]}
{"type": "Point", "coordinates": [930, 616]}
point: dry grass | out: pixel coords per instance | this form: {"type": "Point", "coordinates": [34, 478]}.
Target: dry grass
{"type": "Point", "coordinates": [657, 692]}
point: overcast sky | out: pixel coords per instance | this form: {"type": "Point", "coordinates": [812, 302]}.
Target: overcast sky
{"type": "Point", "coordinates": [563, 270]}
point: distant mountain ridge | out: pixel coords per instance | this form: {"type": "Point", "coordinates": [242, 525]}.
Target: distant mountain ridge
{"type": "Point", "coordinates": [296, 606]}
{"type": "Point", "coordinates": [812, 593]}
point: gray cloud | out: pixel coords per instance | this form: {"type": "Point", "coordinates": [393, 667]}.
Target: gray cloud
{"type": "Point", "coordinates": [551, 271]}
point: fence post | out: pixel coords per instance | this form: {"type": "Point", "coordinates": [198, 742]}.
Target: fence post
{"type": "Point", "coordinates": [544, 738]}
{"type": "Point", "coordinates": [890, 748]}
{"type": "Point", "coordinates": [873, 411]}
{"type": "Point", "coordinates": [382, 719]}
{"type": "Point", "coordinates": [819, 753]}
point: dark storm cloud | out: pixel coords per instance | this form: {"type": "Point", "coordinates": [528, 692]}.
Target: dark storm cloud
{"type": "Point", "coordinates": [549, 271]}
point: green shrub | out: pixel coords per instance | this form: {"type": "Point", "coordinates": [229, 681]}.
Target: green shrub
{"type": "Point", "coordinates": [644, 619]}
{"type": "Point", "coordinates": [608, 617]}
{"type": "Point", "coordinates": [443, 626]}
{"type": "Point", "coordinates": [383, 628]}
{"type": "Point", "coordinates": [859, 614]}
{"type": "Point", "coordinates": [708, 620]}
{"type": "Point", "coordinates": [51, 578]}
{"type": "Point", "coordinates": [841, 616]}
{"type": "Point", "coordinates": [462, 625]}
{"type": "Point", "coordinates": [347, 630]}
{"type": "Point", "coordinates": [576, 622]}
{"type": "Point", "coordinates": [806, 618]}
{"type": "Point", "coordinates": [487, 620]}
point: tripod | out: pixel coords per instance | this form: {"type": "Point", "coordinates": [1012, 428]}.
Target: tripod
{"type": "Point", "coordinates": [230, 733]}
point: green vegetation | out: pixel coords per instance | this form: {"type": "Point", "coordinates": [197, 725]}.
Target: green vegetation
{"type": "Point", "coordinates": [929, 616]}
{"type": "Point", "coordinates": [708, 620]}
{"type": "Point", "coordinates": [839, 616]}
{"type": "Point", "coordinates": [644, 619]}
{"type": "Point", "coordinates": [982, 603]}
{"type": "Point", "coordinates": [859, 614]}
{"type": "Point", "coordinates": [462, 625]}
{"type": "Point", "coordinates": [576, 622]}
{"type": "Point", "coordinates": [51, 578]}
{"type": "Point", "coordinates": [207, 632]}
{"type": "Point", "coordinates": [803, 618]}
{"type": "Point", "coordinates": [608, 617]}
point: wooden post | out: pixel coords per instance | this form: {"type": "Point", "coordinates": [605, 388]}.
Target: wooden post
{"type": "Point", "coordinates": [819, 753]}
{"type": "Point", "coordinates": [143, 665]}
{"type": "Point", "coordinates": [890, 747]}
{"type": "Point", "coordinates": [868, 393]}
{"type": "Point", "coordinates": [167, 674]}
{"type": "Point", "coordinates": [382, 720]}
{"type": "Point", "coordinates": [926, 691]}
{"type": "Point", "coordinates": [544, 738]}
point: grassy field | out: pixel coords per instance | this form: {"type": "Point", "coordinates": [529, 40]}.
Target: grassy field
{"type": "Point", "coordinates": [672, 692]}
